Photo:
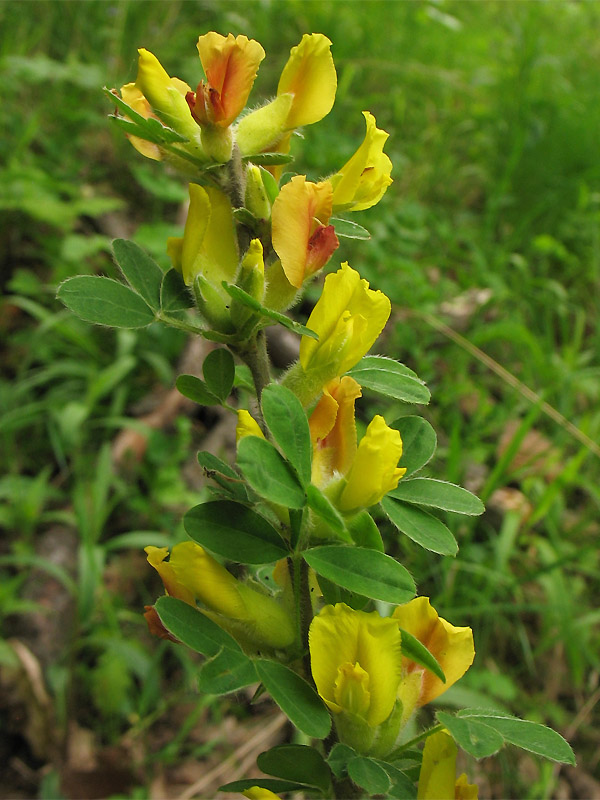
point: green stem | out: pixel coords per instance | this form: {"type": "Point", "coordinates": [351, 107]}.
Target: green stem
{"type": "Point", "coordinates": [415, 740]}
{"type": "Point", "coordinates": [181, 325]}
{"type": "Point", "coordinates": [255, 355]}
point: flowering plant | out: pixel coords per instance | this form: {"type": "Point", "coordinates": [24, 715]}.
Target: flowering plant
{"type": "Point", "coordinates": [342, 644]}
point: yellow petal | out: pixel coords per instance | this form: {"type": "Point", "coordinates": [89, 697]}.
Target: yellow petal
{"type": "Point", "coordinates": [363, 180]}
{"type": "Point", "coordinates": [301, 210]}
{"type": "Point", "coordinates": [246, 426]}
{"type": "Point", "coordinates": [374, 471]}
{"type": "Point", "coordinates": [333, 429]}
{"type": "Point", "coordinates": [136, 100]}
{"type": "Point", "coordinates": [164, 94]}
{"type": "Point", "coordinates": [310, 77]}
{"type": "Point", "coordinates": [173, 587]}
{"type": "Point", "coordinates": [438, 769]}
{"type": "Point", "coordinates": [463, 790]}
{"type": "Point", "coordinates": [258, 793]}
{"type": "Point", "coordinates": [264, 128]}
{"type": "Point", "coordinates": [230, 64]}
{"type": "Point", "coordinates": [196, 225]}
{"type": "Point", "coordinates": [351, 689]}
{"type": "Point", "coordinates": [341, 636]}
{"type": "Point", "coordinates": [453, 647]}
{"type": "Point", "coordinates": [348, 319]}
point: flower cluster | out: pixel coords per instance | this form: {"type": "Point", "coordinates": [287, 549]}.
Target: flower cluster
{"type": "Point", "coordinates": [305, 482]}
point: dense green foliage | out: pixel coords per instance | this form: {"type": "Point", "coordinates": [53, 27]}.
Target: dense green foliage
{"type": "Point", "coordinates": [487, 241]}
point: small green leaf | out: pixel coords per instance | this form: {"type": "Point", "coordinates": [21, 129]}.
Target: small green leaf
{"type": "Point", "coordinates": [234, 532]}
{"type": "Point", "coordinates": [248, 300]}
{"type": "Point", "coordinates": [390, 378]}
{"type": "Point", "coordinates": [348, 229]}
{"type": "Point", "coordinates": [332, 594]}
{"type": "Point", "coordinates": [369, 775]}
{"type": "Point", "coordinates": [105, 302]}
{"type": "Point", "coordinates": [268, 473]}
{"type": "Point", "coordinates": [324, 508]}
{"type": "Point", "coordinates": [269, 159]}
{"type": "Point", "coordinates": [417, 652]}
{"type": "Point", "coordinates": [522, 733]}
{"type": "Point", "coordinates": [363, 571]}
{"type": "Point", "coordinates": [223, 474]}
{"type": "Point", "coordinates": [226, 672]}
{"type": "Point", "coordinates": [474, 737]}
{"type": "Point", "coordinates": [297, 763]}
{"type": "Point", "coordinates": [418, 442]}
{"type": "Point", "coordinates": [195, 389]}
{"type": "Point", "coordinates": [174, 294]}
{"type": "Point", "coordinates": [295, 697]}
{"type": "Point", "coordinates": [438, 494]}
{"type": "Point", "coordinates": [140, 271]}
{"type": "Point", "coordinates": [421, 527]}
{"type": "Point", "coordinates": [338, 759]}
{"type": "Point", "coordinates": [287, 421]}
{"type": "Point", "coordinates": [402, 786]}
{"type": "Point", "coordinates": [193, 628]}
{"type": "Point", "coordinates": [219, 371]}
{"type": "Point", "coordinates": [364, 531]}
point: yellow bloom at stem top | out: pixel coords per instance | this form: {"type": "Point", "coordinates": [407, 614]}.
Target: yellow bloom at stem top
{"type": "Point", "coordinates": [437, 779]}
{"type": "Point", "coordinates": [348, 318]}
{"type": "Point", "coordinates": [363, 180]}
{"type": "Point", "coordinates": [452, 646]}
{"type": "Point", "coordinates": [302, 237]}
{"type": "Point", "coordinates": [191, 573]}
{"type": "Point", "coordinates": [356, 661]}
{"type": "Point", "coordinates": [230, 64]}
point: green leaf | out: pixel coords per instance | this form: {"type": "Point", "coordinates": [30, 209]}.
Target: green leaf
{"type": "Point", "coordinates": [248, 300]}
{"type": "Point", "coordinates": [146, 128]}
{"type": "Point", "coordinates": [338, 759]}
{"type": "Point", "coordinates": [412, 648]}
{"type": "Point", "coordinates": [522, 733]}
{"type": "Point", "coordinates": [297, 763]}
{"type": "Point", "coordinates": [272, 784]}
{"type": "Point", "coordinates": [390, 378]}
{"type": "Point", "coordinates": [105, 302]}
{"type": "Point", "coordinates": [140, 271]}
{"type": "Point", "coordinates": [421, 527]}
{"type": "Point", "coordinates": [295, 697]}
{"type": "Point", "coordinates": [223, 474]}
{"type": "Point", "coordinates": [269, 159]}
{"type": "Point", "coordinates": [418, 442]}
{"type": "Point", "coordinates": [218, 369]}
{"type": "Point", "coordinates": [369, 775]}
{"type": "Point", "coordinates": [174, 294]}
{"type": "Point", "coordinates": [364, 531]}
{"type": "Point", "coordinates": [195, 389]}
{"type": "Point", "coordinates": [226, 672]}
{"type": "Point", "coordinates": [234, 532]}
{"type": "Point", "coordinates": [332, 594]}
{"type": "Point", "coordinates": [364, 571]}
{"type": "Point", "coordinates": [348, 229]}
{"type": "Point", "coordinates": [474, 737]}
{"type": "Point", "coordinates": [324, 508]}
{"type": "Point", "coordinates": [438, 494]}
{"type": "Point", "coordinates": [192, 628]}
{"type": "Point", "coordinates": [402, 786]}
{"type": "Point", "coordinates": [268, 473]}
{"type": "Point", "coordinates": [287, 421]}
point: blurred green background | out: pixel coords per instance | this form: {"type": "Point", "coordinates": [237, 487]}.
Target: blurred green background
{"type": "Point", "coordinates": [488, 244]}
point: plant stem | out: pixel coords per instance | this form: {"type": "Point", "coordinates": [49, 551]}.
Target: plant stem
{"type": "Point", "coordinates": [415, 740]}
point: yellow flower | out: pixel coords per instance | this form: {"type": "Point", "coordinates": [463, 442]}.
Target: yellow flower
{"type": "Point", "coordinates": [453, 648]}
{"type": "Point", "coordinates": [305, 94]}
{"type": "Point", "coordinates": [192, 573]}
{"type": "Point", "coordinates": [356, 661]}
{"type": "Point", "coordinates": [302, 237]}
{"type": "Point", "coordinates": [259, 793]}
{"type": "Point", "coordinates": [348, 317]}
{"type": "Point", "coordinates": [230, 65]}
{"type": "Point", "coordinates": [136, 100]}
{"type": "Point", "coordinates": [208, 246]}
{"type": "Point", "coordinates": [310, 77]}
{"type": "Point", "coordinates": [374, 471]}
{"type": "Point", "coordinates": [363, 181]}
{"type": "Point", "coordinates": [333, 430]}
{"type": "Point", "coordinates": [246, 426]}
{"type": "Point", "coordinates": [437, 779]}
{"type": "Point", "coordinates": [165, 95]}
